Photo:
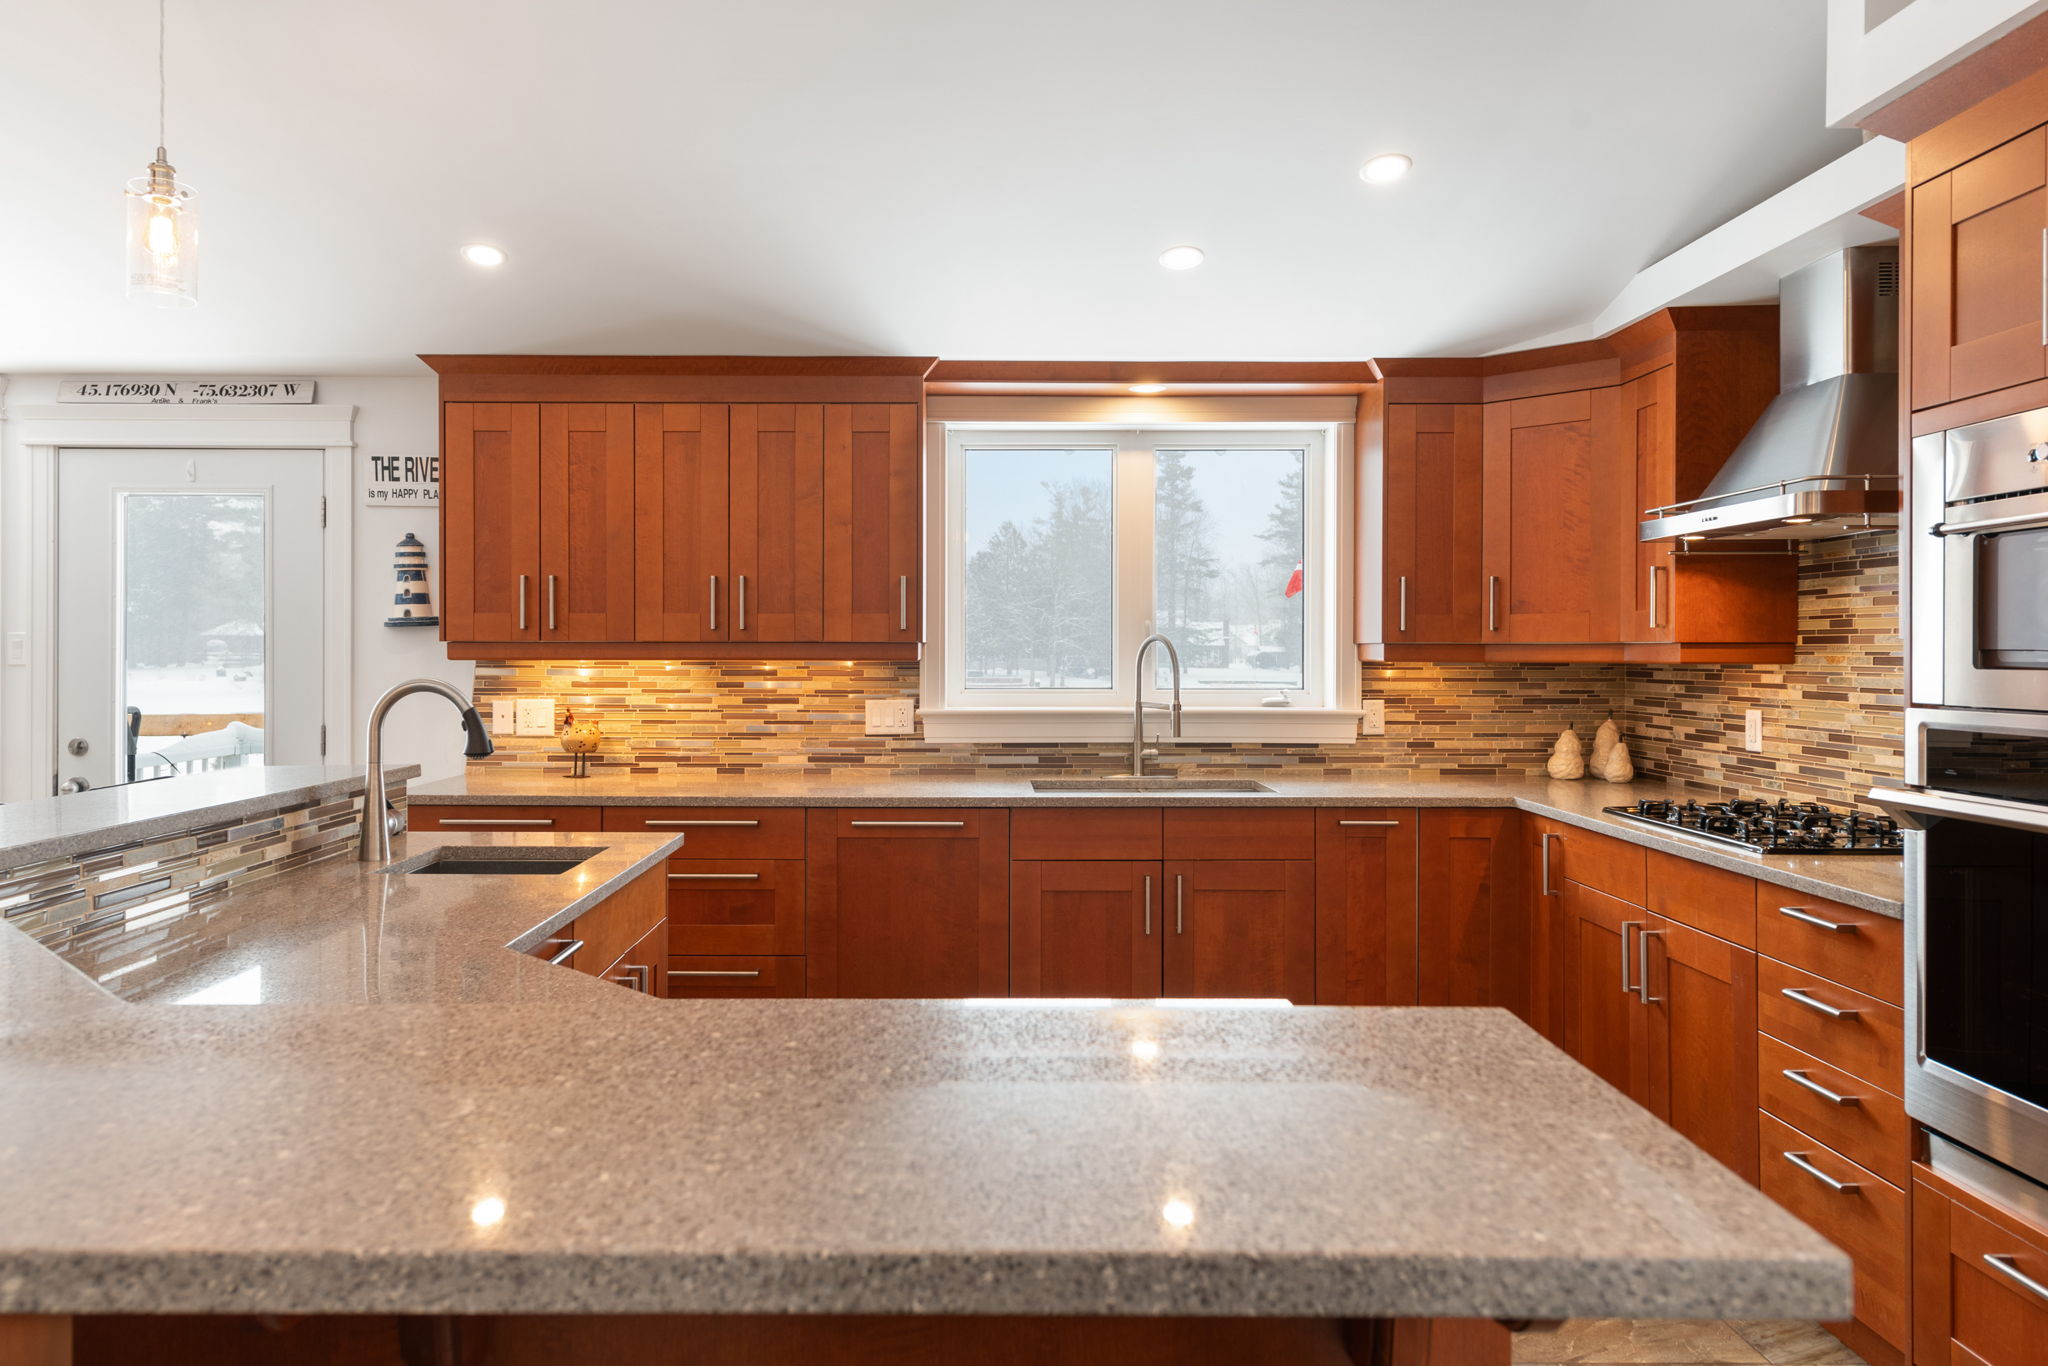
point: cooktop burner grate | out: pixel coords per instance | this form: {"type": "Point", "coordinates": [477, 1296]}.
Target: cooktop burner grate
{"type": "Point", "coordinates": [1780, 827]}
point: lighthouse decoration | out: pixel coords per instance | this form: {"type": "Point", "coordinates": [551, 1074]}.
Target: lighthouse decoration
{"type": "Point", "coordinates": [413, 603]}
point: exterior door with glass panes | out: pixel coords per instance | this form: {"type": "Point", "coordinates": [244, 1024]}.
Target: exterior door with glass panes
{"type": "Point", "coordinates": [189, 602]}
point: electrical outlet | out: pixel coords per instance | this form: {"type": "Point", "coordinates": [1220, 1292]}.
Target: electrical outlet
{"type": "Point", "coordinates": [504, 716]}
{"type": "Point", "coordinates": [892, 716]}
{"type": "Point", "coordinates": [1372, 717]}
{"type": "Point", "coordinates": [536, 716]}
{"type": "Point", "coordinates": [1753, 731]}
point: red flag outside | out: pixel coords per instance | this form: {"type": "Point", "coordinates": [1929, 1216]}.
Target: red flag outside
{"type": "Point", "coordinates": [1294, 582]}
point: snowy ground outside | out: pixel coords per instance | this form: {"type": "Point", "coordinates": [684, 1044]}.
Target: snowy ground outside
{"type": "Point", "coordinates": [196, 689]}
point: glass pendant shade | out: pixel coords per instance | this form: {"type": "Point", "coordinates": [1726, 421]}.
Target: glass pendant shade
{"type": "Point", "coordinates": [163, 238]}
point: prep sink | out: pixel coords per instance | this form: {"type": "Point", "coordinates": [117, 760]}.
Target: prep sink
{"type": "Point", "coordinates": [1147, 785]}
{"type": "Point", "coordinates": [493, 862]}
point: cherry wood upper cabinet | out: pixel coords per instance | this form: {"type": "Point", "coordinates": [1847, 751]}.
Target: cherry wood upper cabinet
{"type": "Point", "coordinates": [1979, 260]}
{"type": "Point", "coordinates": [908, 903]}
{"type": "Point", "coordinates": [1472, 933]}
{"type": "Point", "coordinates": [1556, 490]}
{"type": "Point", "coordinates": [1365, 906]}
{"type": "Point", "coordinates": [682, 589]}
{"type": "Point", "coordinates": [778, 521]}
{"type": "Point", "coordinates": [1434, 529]}
{"type": "Point", "coordinates": [873, 520]}
{"type": "Point", "coordinates": [490, 521]}
{"type": "Point", "coordinates": [1085, 928]}
{"type": "Point", "coordinates": [1241, 927]}
{"type": "Point", "coordinates": [586, 521]}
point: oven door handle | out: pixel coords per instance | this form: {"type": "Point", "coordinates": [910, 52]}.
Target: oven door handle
{"type": "Point", "coordinates": [2013, 523]}
{"type": "Point", "coordinates": [1919, 809]}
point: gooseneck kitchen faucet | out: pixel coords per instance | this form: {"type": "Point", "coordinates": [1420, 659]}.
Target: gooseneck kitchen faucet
{"type": "Point", "coordinates": [375, 846]}
{"type": "Point", "coordinates": [1139, 706]}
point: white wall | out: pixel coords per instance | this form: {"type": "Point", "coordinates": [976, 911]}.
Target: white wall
{"type": "Point", "coordinates": [1872, 64]}
{"type": "Point", "coordinates": [395, 416]}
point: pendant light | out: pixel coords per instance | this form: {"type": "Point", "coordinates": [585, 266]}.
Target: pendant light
{"type": "Point", "coordinates": [163, 226]}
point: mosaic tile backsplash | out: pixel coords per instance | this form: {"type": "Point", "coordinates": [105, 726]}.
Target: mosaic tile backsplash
{"type": "Point", "coordinates": [1831, 719]}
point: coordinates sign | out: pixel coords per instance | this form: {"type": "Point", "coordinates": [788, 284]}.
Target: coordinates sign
{"type": "Point", "coordinates": [118, 390]}
{"type": "Point", "coordinates": [401, 481]}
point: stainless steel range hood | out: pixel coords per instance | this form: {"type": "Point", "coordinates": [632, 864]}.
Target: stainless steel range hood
{"type": "Point", "coordinates": [1823, 459]}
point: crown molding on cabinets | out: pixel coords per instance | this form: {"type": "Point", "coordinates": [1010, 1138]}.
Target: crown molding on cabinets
{"type": "Point", "coordinates": [681, 379]}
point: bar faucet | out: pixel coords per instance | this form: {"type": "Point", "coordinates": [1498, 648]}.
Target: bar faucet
{"type": "Point", "coordinates": [1140, 706]}
{"type": "Point", "coordinates": [375, 846]}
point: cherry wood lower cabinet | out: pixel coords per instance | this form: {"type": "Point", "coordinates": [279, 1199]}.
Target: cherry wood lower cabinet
{"type": "Point", "coordinates": [1603, 1027]}
{"type": "Point", "coordinates": [908, 902]}
{"type": "Point", "coordinates": [1365, 906]}
{"type": "Point", "coordinates": [1472, 930]}
{"type": "Point", "coordinates": [1241, 928]}
{"type": "Point", "coordinates": [1980, 1277]}
{"type": "Point", "coordinates": [1854, 1209]}
{"type": "Point", "coordinates": [1085, 928]}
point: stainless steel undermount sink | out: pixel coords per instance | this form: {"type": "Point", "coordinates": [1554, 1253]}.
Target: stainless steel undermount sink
{"type": "Point", "coordinates": [1147, 785]}
{"type": "Point", "coordinates": [500, 862]}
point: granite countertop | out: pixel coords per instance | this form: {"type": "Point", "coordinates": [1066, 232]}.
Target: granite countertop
{"type": "Point", "coordinates": [428, 1121]}
{"type": "Point", "coordinates": [108, 817]}
{"type": "Point", "coordinates": [1871, 882]}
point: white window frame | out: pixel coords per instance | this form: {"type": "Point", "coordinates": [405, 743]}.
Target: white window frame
{"type": "Point", "coordinates": [1325, 712]}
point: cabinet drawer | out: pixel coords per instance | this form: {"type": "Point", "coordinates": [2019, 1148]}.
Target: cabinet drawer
{"type": "Point", "coordinates": [1866, 1040]}
{"type": "Point", "coordinates": [542, 818]}
{"type": "Point", "coordinates": [718, 831]}
{"type": "Point", "coordinates": [727, 906]}
{"type": "Point", "coordinates": [908, 822]}
{"type": "Point", "coordinates": [1868, 1221]}
{"type": "Point", "coordinates": [1863, 954]}
{"type": "Point", "coordinates": [697, 978]}
{"type": "Point", "coordinates": [1871, 1132]}
{"type": "Point", "coordinates": [1607, 865]}
{"type": "Point", "coordinates": [1085, 833]}
{"type": "Point", "coordinates": [1711, 899]}
{"type": "Point", "coordinates": [611, 928]}
{"type": "Point", "coordinates": [1233, 832]}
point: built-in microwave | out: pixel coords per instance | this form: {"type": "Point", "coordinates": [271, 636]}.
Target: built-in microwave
{"type": "Point", "coordinates": [1976, 820]}
{"type": "Point", "coordinates": [1978, 593]}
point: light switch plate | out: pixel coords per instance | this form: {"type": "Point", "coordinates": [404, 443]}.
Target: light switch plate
{"type": "Point", "coordinates": [1753, 731]}
{"type": "Point", "coordinates": [536, 716]}
{"type": "Point", "coordinates": [17, 649]}
{"type": "Point", "coordinates": [1372, 717]}
{"type": "Point", "coordinates": [504, 716]}
{"type": "Point", "coordinates": [892, 716]}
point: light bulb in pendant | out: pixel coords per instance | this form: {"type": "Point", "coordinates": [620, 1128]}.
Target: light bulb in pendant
{"type": "Point", "coordinates": [163, 238]}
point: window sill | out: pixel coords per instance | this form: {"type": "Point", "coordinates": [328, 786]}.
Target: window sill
{"type": "Point", "coordinates": [1112, 725]}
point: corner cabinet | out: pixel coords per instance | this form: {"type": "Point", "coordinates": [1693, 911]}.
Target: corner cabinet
{"type": "Point", "coordinates": [638, 529]}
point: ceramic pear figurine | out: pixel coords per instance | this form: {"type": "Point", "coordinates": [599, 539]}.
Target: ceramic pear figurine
{"type": "Point", "coordinates": [1567, 757]}
{"type": "Point", "coordinates": [1611, 762]}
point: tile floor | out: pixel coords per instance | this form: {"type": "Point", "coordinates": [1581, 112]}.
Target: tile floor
{"type": "Point", "coordinates": [1639, 1342]}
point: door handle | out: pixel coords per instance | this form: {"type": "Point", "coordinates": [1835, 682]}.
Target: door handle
{"type": "Point", "coordinates": [1807, 917]}
{"type": "Point", "coordinates": [740, 618]}
{"type": "Point", "coordinates": [1799, 1160]}
{"type": "Point", "coordinates": [903, 602]}
{"type": "Point", "coordinates": [493, 822]}
{"type": "Point", "coordinates": [1831, 1097]}
{"type": "Point", "coordinates": [1815, 1003]}
{"type": "Point", "coordinates": [1544, 844]}
{"type": "Point", "coordinates": [1493, 602]}
{"type": "Point", "coordinates": [639, 977]}
{"type": "Point", "coordinates": [1148, 905]}
{"type": "Point", "coordinates": [1627, 925]}
{"type": "Point", "coordinates": [712, 972]}
{"type": "Point", "coordinates": [709, 877]}
{"type": "Point", "coordinates": [1179, 906]}
{"type": "Point", "coordinates": [566, 952]}
{"type": "Point", "coordinates": [1404, 604]}
{"type": "Point", "coordinates": [1368, 822]}
{"type": "Point", "coordinates": [1653, 597]}
{"type": "Point", "coordinates": [522, 602]}
{"type": "Point", "coordinates": [939, 825]}
{"type": "Point", "coordinates": [713, 615]}
{"type": "Point", "coordinates": [1643, 938]}
{"type": "Point", "coordinates": [2002, 1263]}
{"type": "Point", "coordinates": [551, 602]}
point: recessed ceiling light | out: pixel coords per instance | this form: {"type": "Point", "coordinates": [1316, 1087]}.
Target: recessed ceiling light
{"type": "Point", "coordinates": [1181, 258]}
{"type": "Point", "coordinates": [1385, 169]}
{"type": "Point", "coordinates": [1178, 1213]}
{"type": "Point", "coordinates": [1147, 388]}
{"type": "Point", "coordinates": [1797, 521]}
{"type": "Point", "coordinates": [483, 254]}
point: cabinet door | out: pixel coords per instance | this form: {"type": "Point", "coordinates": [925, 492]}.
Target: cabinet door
{"type": "Point", "coordinates": [1085, 929]}
{"type": "Point", "coordinates": [1365, 907]}
{"type": "Point", "coordinates": [490, 521]}
{"type": "Point", "coordinates": [1542, 877]}
{"type": "Point", "coordinates": [682, 589]}
{"type": "Point", "coordinates": [1556, 491]}
{"type": "Point", "coordinates": [586, 521]}
{"type": "Point", "coordinates": [644, 967]}
{"type": "Point", "coordinates": [1969, 1301]}
{"type": "Point", "coordinates": [1435, 472]}
{"type": "Point", "coordinates": [1649, 427]}
{"type": "Point", "coordinates": [778, 521]}
{"type": "Point", "coordinates": [908, 903]}
{"type": "Point", "coordinates": [1473, 932]}
{"type": "Point", "coordinates": [1978, 237]}
{"type": "Point", "coordinates": [1702, 1040]}
{"type": "Point", "coordinates": [872, 515]}
{"type": "Point", "coordinates": [1603, 1024]}
{"type": "Point", "coordinates": [1241, 927]}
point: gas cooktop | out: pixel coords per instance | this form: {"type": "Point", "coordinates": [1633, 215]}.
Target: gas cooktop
{"type": "Point", "coordinates": [1780, 827]}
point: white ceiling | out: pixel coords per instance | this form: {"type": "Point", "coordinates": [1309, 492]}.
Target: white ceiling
{"type": "Point", "coordinates": [948, 177]}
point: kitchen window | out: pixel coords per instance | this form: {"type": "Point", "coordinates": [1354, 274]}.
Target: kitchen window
{"type": "Point", "coordinates": [1063, 547]}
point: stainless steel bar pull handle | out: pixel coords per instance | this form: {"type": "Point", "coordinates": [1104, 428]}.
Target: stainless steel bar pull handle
{"type": "Point", "coordinates": [1627, 986]}
{"type": "Point", "coordinates": [1148, 904]}
{"type": "Point", "coordinates": [713, 600]}
{"type": "Point", "coordinates": [1643, 938]}
{"type": "Point", "coordinates": [1543, 843]}
{"type": "Point", "coordinates": [903, 602]}
{"type": "Point", "coordinates": [551, 602]}
{"type": "Point", "coordinates": [567, 951]}
{"type": "Point", "coordinates": [678, 825]}
{"type": "Point", "coordinates": [2002, 1263]}
{"type": "Point", "coordinates": [1179, 906]}
{"type": "Point", "coordinates": [740, 608]}
{"type": "Point", "coordinates": [709, 877]}
{"type": "Point", "coordinates": [1815, 1003]}
{"type": "Point", "coordinates": [1799, 1160]}
{"type": "Point", "coordinates": [522, 602]}
{"type": "Point", "coordinates": [1404, 603]}
{"type": "Point", "coordinates": [639, 977]}
{"type": "Point", "coordinates": [523, 822]}
{"type": "Point", "coordinates": [714, 972]}
{"type": "Point", "coordinates": [1809, 918]}
{"type": "Point", "coordinates": [944, 825]}
{"type": "Point", "coordinates": [1368, 822]}
{"type": "Point", "coordinates": [2044, 286]}
{"type": "Point", "coordinates": [1493, 602]}
{"type": "Point", "coordinates": [1831, 1097]}
{"type": "Point", "coordinates": [1653, 597]}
